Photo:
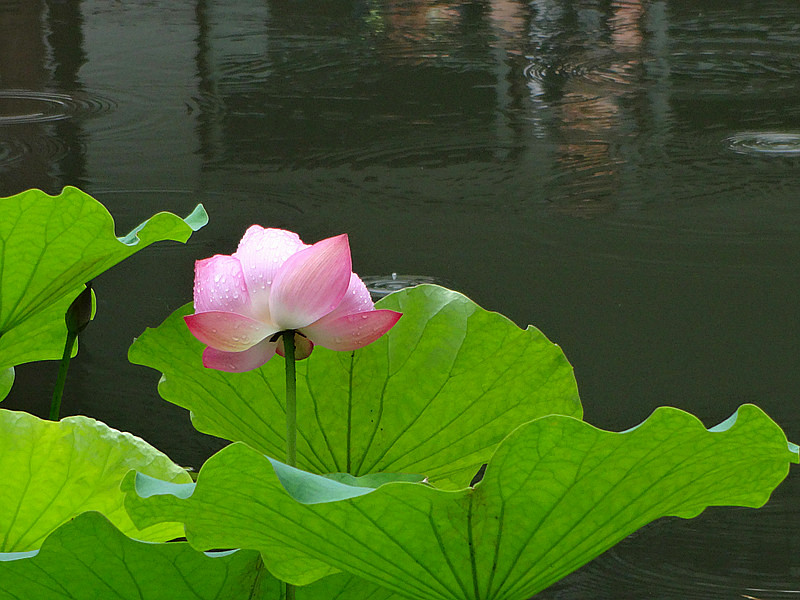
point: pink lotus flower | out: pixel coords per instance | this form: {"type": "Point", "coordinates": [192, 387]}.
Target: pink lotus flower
{"type": "Point", "coordinates": [275, 283]}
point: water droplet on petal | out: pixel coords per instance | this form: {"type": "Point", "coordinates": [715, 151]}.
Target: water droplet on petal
{"type": "Point", "coordinates": [217, 277]}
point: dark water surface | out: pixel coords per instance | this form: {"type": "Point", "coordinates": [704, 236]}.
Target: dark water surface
{"type": "Point", "coordinates": [623, 175]}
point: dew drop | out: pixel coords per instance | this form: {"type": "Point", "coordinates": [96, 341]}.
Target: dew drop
{"type": "Point", "coordinates": [217, 277]}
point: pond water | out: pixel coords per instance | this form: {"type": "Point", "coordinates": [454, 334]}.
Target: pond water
{"type": "Point", "coordinates": [624, 175]}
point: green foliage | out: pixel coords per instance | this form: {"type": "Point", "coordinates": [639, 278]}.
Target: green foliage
{"type": "Point", "coordinates": [389, 438]}
{"type": "Point", "coordinates": [53, 471]}
{"type": "Point", "coordinates": [6, 381]}
{"type": "Point", "coordinates": [88, 558]}
{"type": "Point", "coordinates": [435, 395]}
{"type": "Point", "coordinates": [556, 493]}
{"type": "Point", "coordinates": [50, 246]}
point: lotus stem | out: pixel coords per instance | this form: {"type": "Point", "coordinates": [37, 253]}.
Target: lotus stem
{"type": "Point", "coordinates": [291, 400]}
{"type": "Point", "coordinates": [58, 391]}
{"type": "Point", "coordinates": [291, 415]}
{"type": "Point", "coordinates": [76, 319]}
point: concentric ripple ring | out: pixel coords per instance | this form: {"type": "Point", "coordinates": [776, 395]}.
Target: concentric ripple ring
{"type": "Point", "coordinates": [765, 143]}
{"type": "Point", "coordinates": [28, 106]}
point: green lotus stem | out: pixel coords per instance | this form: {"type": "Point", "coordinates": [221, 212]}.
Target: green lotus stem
{"type": "Point", "coordinates": [58, 391]}
{"type": "Point", "coordinates": [77, 318]}
{"type": "Point", "coordinates": [291, 400]}
{"type": "Point", "coordinates": [291, 415]}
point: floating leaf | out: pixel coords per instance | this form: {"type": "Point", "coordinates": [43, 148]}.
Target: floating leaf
{"type": "Point", "coordinates": [89, 558]}
{"type": "Point", "coordinates": [370, 410]}
{"type": "Point", "coordinates": [53, 471]}
{"type": "Point", "coordinates": [50, 246]}
{"type": "Point", "coordinates": [556, 493]}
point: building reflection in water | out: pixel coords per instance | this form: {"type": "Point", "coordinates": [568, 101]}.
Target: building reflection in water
{"type": "Point", "coordinates": [426, 83]}
{"type": "Point", "coordinates": [592, 78]}
{"type": "Point", "coordinates": [40, 56]}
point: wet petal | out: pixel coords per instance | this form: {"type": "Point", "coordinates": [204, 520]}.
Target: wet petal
{"type": "Point", "coordinates": [352, 331]}
{"type": "Point", "coordinates": [219, 285]}
{"type": "Point", "coordinates": [227, 331]}
{"type": "Point", "coordinates": [239, 362]}
{"type": "Point", "coordinates": [262, 252]}
{"type": "Point", "coordinates": [311, 283]}
{"type": "Point", "coordinates": [302, 347]}
{"type": "Point", "coordinates": [355, 300]}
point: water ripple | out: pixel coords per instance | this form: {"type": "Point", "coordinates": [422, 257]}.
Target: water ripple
{"type": "Point", "coordinates": [765, 143]}
{"type": "Point", "coordinates": [604, 70]}
{"type": "Point", "coordinates": [380, 286]}
{"type": "Point", "coordinates": [28, 106]}
{"type": "Point", "coordinates": [11, 151]}
{"type": "Point", "coordinates": [719, 555]}
{"type": "Point", "coordinates": [717, 70]}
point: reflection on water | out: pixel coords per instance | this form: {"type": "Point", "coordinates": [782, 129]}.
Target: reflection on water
{"type": "Point", "coordinates": [621, 173]}
{"type": "Point", "coordinates": [720, 554]}
{"type": "Point", "coordinates": [40, 52]}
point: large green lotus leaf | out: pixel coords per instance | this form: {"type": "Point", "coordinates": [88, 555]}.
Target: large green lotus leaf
{"type": "Point", "coordinates": [435, 395]}
{"type": "Point", "coordinates": [53, 471]}
{"type": "Point", "coordinates": [557, 492]}
{"type": "Point", "coordinates": [50, 246]}
{"type": "Point", "coordinates": [88, 558]}
{"type": "Point", "coordinates": [344, 586]}
{"type": "Point", "coordinates": [6, 381]}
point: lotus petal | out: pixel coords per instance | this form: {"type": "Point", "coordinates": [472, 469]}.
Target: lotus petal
{"type": "Point", "coordinates": [219, 285]}
{"type": "Point", "coordinates": [227, 331]}
{"type": "Point", "coordinates": [311, 283]}
{"type": "Point", "coordinates": [351, 332]}
{"type": "Point", "coordinates": [239, 362]}
{"type": "Point", "coordinates": [261, 253]}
